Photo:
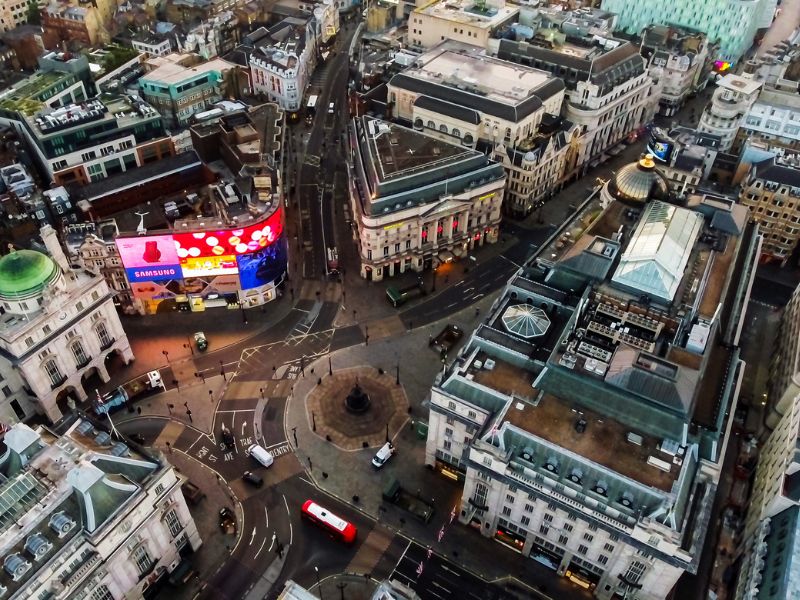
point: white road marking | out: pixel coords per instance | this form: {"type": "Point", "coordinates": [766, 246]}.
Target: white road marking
{"type": "Point", "coordinates": [261, 547]}
{"type": "Point", "coordinates": [446, 568]}
{"type": "Point", "coordinates": [238, 410]}
{"type": "Point", "coordinates": [291, 534]}
{"type": "Point", "coordinates": [440, 586]}
{"type": "Point", "coordinates": [266, 516]}
{"type": "Point", "coordinates": [252, 537]}
{"type": "Point", "coordinates": [244, 424]}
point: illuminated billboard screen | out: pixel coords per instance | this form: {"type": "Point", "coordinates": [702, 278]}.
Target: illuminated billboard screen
{"type": "Point", "coordinates": [264, 266]}
{"type": "Point", "coordinates": [660, 145]}
{"type": "Point", "coordinates": [149, 258]}
{"type": "Point", "coordinates": [229, 242]}
{"type": "Point", "coordinates": [204, 266]}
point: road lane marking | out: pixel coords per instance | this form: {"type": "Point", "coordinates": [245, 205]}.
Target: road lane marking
{"type": "Point", "coordinates": [202, 435]}
{"type": "Point", "coordinates": [244, 425]}
{"type": "Point", "coordinates": [446, 568]}
{"type": "Point", "coordinates": [459, 283]}
{"type": "Point", "coordinates": [266, 516]}
{"type": "Point", "coordinates": [291, 534]}
{"type": "Point", "coordinates": [252, 537]}
{"type": "Point", "coordinates": [440, 586]}
{"type": "Point", "coordinates": [261, 547]}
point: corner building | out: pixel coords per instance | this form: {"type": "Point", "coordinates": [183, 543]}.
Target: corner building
{"type": "Point", "coordinates": [88, 516]}
{"type": "Point", "coordinates": [588, 415]}
{"type": "Point", "coordinates": [418, 201]}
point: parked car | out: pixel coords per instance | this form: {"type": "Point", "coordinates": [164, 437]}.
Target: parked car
{"type": "Point", "coordinates": [227, 520]}
{"type": "Point", "coordinates": [253, 478]}
{"type": "Point", "coordinates": [201, 341]}
{"type": "Point", "coordinates": [383, 455]}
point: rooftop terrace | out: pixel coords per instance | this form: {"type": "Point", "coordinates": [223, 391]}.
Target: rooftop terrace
{"type": "Point", "coordinates": [469, 12]}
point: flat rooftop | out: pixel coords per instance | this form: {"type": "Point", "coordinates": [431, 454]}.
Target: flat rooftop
{"type": "Point", "coordinates": [604, 441]}
{"type": "Point", "coordinates": [497, 80]}
{"type": "Point", "coordinates": [469, 12]}
{"type": "Point", "coordinates": [400, 151]}
{"type": "Point", "coordinates": [170, 71]}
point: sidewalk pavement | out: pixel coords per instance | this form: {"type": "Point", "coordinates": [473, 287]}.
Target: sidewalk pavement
{"type": "Point", "coordinates": [151, 335]}
{"type": "Point", "coordinates": [199, 398]}
{"type": "Point", "coordinates": [217, 546]}
{"type": "Point", "coordinates": [345, 474]}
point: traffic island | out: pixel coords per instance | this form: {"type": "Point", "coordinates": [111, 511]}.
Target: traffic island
{"type": "Point", "coordinates": [338, 412]}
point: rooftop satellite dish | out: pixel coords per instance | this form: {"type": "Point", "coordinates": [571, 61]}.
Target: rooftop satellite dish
{"type": "Point", "coordinates": [140, 230]}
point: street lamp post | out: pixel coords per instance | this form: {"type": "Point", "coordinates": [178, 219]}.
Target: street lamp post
{"type": "Point", "coordinates": [166, 355]}
{"type": "Point", "coordinates": [397, 372]}
{"type": "Point", "coordinates": [433, 287]}
{"type": "Point", "coordinates": [319, 584]}
{"type": "Point", "coordinates": [244, 314]}
{"type": "Point", "coordinates": [366, 335]}
{"type": "Point", "coordinates": [313, 421]}
{"type": "Point", "coordinates": [222, 370]}
{"type": "Point", "coordinates": [330, 367]}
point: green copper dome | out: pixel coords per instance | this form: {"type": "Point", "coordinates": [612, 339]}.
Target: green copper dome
{"type": "Point", "coordinates": [25, 273]}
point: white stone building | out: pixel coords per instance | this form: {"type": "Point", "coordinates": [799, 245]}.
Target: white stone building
{"type": "Point", "coordinates": [88, 516]}
{"type": "Point", "coordinates": [463, 21]}
{"type": "Point", "coordinates": [281, 64]}
{"type": "Point", "coordinates": [774, 117]}
{"type": "Point", "coordinates": [730, 103]}
{"type": "Point", "coordinates": [446, 93]}
{"type": "Point", "coordinates": [678, 62]}
{"type": "Point", "coordinates": [418, 201]}
{"type": "Point", "coordinates": [578, 422]}
{"type": "Point", "coordinates": [609, 93]}
{"type": "Point", "coordinates": [58, 327]}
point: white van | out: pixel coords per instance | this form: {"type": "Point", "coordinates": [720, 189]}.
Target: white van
{"type": "Point", "coordinates": [383, 455]}
{"type": "Point", "coordinates": [261, 455]}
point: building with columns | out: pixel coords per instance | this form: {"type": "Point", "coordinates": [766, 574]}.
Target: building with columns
{"type": "Point", "coordinates": [589, 413]}
{"type": "Point", "coordinates": [418, 201]}
{"type": "Point", "coordinates": [89, 515]}
{"type": "Point", "coordinates": [58, 327]}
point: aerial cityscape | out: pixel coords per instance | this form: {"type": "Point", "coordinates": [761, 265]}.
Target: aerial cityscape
{"type": "Point", "coordinates": [388, 300]}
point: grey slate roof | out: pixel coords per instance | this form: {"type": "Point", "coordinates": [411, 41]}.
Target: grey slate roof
{"type": "Point", "coordinates": [771, 170]}
{"type": "Point", "coordinates": [477, 102]}
{"type": "Point", "coordinates": [448, 108]}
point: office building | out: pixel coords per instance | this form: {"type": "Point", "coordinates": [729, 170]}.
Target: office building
{"type": "Point", "coordinates": [13, 13]}
{"type": "Point", "coordinates": [731, 23]}
{"type": "Point", "coordinates": [774, 117]}
{"type": "Point", "coordinates": [418, 201]}
{"type": "Point", "coordinates": [281, 63]}
{"type": "Point", "coordinates": [609, 93]}
{"type": "Point", "coordinates": [180, 85]}
{"type": "Point", "coordinates": [215, 37]}
{"type": "Point", "coordinates": [678, 62]}
{"type": "Point", "coordinates": [685, 156]}
{"type": "Point", "coordinates": [463, 21]}
{"type": "Point", "coordinates": [588, 415]}
{"type": "Point", "coordinates": [772, 192]}
{"type": "Point", "coordinates": [89, 515]}
{"type": "Point", "coordinates": [770, 556]}
{"type": "Point", "coordinates": [59, 326]}
{"type": "Point", "coordinates": [89, 141]}
{"type": "Point", "coordinates": [151, 43]}
{"type": "Point", "coordinates": [446, 93]}
{"type": "Point", "coordinates": [730, 103]}
{"type": "Point", "coordinates": [536, 167]}
{"type": "Point", "coordinates": [76, 24]}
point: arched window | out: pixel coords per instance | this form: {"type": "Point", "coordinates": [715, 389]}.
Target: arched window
{"type": "Point", "coordinates": [417, 123]}
{"type": "Point", "coordinates": [79, 354]}
{"type": "Point", "coordinates": [53, 372]}
{"type": "Point", "coordinates": [431, 125]}
{"type": "Point", "coordinates": [102, 335]}
{"type": "Point", "coordinates": [455, 133]}
{"type": "Point", "coordinates": [468, 139]}
{"type": "Point", "coordinates": [443, 128]}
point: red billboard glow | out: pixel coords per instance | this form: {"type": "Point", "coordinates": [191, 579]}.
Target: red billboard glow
{"type": "Point", "coordinates": [229, 242]}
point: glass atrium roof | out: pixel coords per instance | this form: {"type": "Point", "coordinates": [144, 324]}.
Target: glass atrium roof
{"type": "Point", "coordinates": [525, 320]}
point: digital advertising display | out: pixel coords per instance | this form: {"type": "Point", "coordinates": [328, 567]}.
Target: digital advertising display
{"type": "Point", "coordinates": [660, 145]}
{"type": "Point", "coordinates": [263, 267]}
{"type": "Point", "coordinates": [205, 266]}
{"type": "Point", "coordinates": [229, 242]}
{"type": "Point", "coordinates": [149, 258]}
{"type": "Point", "coordinates": [152, 258]}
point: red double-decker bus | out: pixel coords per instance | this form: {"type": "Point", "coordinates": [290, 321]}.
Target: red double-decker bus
{"type": "Point", "coordinates": [325, 519]}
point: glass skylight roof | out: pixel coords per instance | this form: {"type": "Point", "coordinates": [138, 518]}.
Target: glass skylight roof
{"type": "Point", "coordinates": [525, 320]}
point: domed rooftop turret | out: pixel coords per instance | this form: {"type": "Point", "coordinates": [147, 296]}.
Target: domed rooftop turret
{"type": "Point", "coordinates": [25, 273]}
{"type": "Point", "coordinates": [639, 182]}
